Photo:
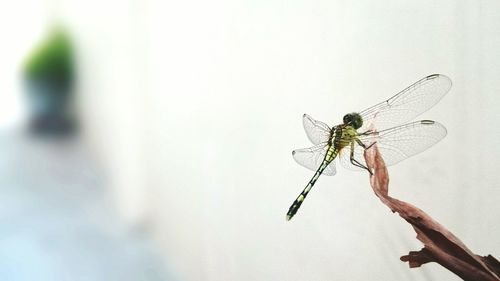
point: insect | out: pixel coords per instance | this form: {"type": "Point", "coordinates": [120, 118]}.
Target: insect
{"type": "Point", "coordinates": [378, 124]}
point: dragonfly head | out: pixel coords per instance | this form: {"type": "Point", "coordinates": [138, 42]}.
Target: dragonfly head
{"type": "Point", "coordinates": [354, 120]}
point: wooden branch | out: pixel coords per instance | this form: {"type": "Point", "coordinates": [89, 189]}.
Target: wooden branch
{"type": "Point", "coordinates": [440, 245]}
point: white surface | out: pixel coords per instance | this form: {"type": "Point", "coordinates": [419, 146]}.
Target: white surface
{"type": "Point", "coordinates": [58, 222]}
{"type": "Point", "coordinates": [232, 81]}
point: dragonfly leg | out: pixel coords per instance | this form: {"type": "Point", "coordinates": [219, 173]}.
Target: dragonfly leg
{"type": "Point", "coordinates": [356, 162]}
{"type": "Point", "coordinates": [370, 145]}
{"type": "Point", "coordinates": [366, 133]}
{"type": "Point", "coordinates": [364, 145]}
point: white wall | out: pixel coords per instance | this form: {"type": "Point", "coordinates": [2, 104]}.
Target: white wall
{"type": "Point", "coordinates": [231, 81]}
{"type": "Point", "coordinates": [19, 29]}
{"type": "Point", "coordinates": [112, 91]}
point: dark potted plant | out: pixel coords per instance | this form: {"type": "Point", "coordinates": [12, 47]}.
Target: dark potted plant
{"type": "Point", "coordinates": [48, 77]}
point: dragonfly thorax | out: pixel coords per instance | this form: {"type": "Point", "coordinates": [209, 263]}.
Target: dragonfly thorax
{"type": "Point", "coordinates": [353, 119]}
{"type": "Point", "coordinates": [343, 136]}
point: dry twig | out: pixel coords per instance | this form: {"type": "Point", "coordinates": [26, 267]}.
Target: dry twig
{"type": "Point", "coordinates": [440, 245]}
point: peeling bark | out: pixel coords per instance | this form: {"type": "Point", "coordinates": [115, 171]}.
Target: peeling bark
{"type": "Point", "coordinates": [440, 245]}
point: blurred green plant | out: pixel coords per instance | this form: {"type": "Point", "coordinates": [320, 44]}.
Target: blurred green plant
{"type": "Point", "coordinates": [52, 59]}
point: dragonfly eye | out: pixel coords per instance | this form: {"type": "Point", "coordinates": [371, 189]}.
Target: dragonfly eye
{"type": "Point", "coordinates": [353, 119]}
{"type": "Point", "coordinates": [357, 121]}
{"type": "Point", "coordinates": [347, 119]}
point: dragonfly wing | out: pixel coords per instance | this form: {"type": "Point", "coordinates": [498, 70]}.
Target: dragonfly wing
{"type": "Point", "coordinates": [407, 104]}
{"type": "Point", "coordinates": [397, 143]}
{"type": "Point", "coordinates": [345, 157]}
{"type": "Point", "coordinates": [312, 158]}
{"type": "Point", "coordinates": [317, 131]}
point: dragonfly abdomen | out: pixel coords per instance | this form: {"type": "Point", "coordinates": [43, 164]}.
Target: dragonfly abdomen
{"type": "Point", "coordinates": [329, 157]}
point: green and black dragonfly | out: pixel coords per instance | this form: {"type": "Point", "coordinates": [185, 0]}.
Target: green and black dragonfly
{"type": "Point", "coordinates": [380, 124]}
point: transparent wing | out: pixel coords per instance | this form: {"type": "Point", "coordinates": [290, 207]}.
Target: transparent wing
{"type": "Point", "coordinates": [317, 131]}
{"type": "Point", "coordinates": [345, 158]}
{"type": "Point", "coordinates": [407, 104]}
{"type": "Point", "coordinates": [312, 158]}
{"type": "Point", "coordinates": [397, 143]}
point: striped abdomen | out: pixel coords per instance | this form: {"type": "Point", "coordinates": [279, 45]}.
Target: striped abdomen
{"type": "Point", "coordinates": [329, 156]}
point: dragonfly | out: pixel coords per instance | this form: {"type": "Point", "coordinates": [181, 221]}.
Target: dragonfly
{"type": "Point", "coordinates": [380, 125]}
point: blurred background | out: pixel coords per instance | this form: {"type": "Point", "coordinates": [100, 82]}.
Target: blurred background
{"type": "Point", "coordinates": [151, 140]}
